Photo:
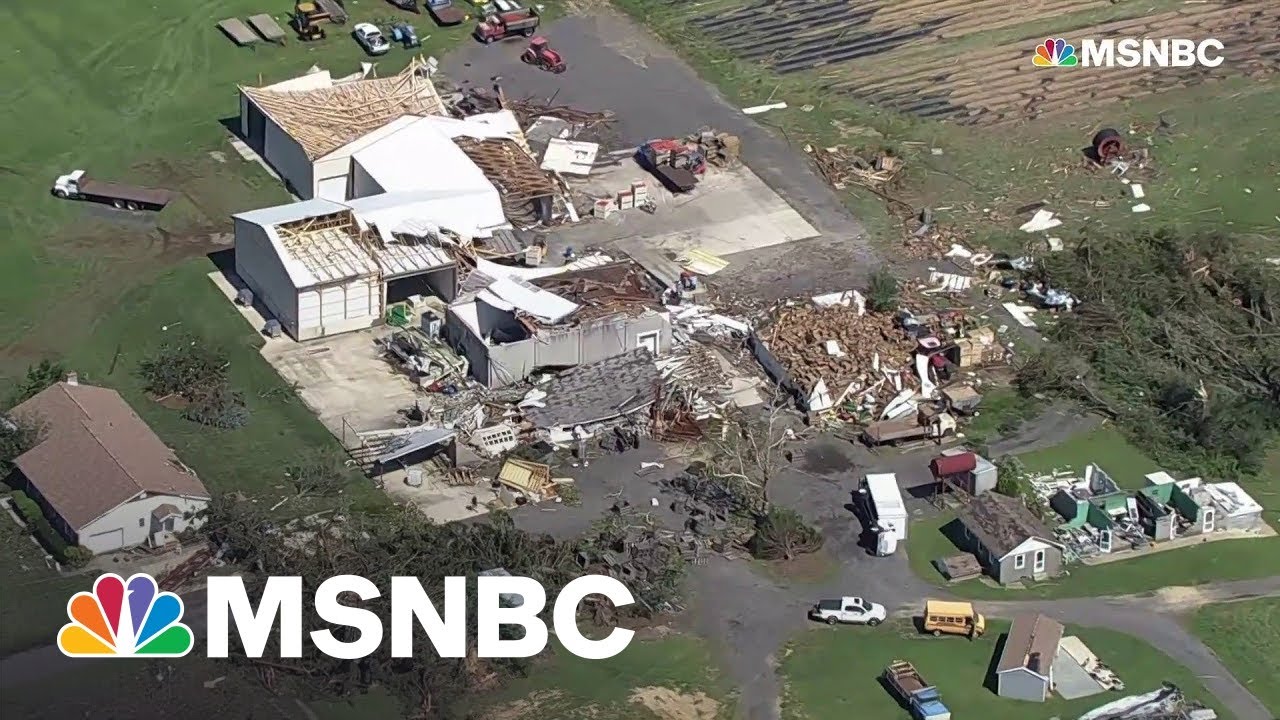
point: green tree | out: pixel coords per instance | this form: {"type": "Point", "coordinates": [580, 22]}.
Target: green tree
{"type": "Point", "coordinates": [882, 291]}
{"type": "Point", "coordinates": [38, 377]}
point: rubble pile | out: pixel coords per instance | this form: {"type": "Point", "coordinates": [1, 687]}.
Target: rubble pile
{"type": "Point", "coordinates": [721, 149]}
{"type": "Point", "coordinates": [840, 348]}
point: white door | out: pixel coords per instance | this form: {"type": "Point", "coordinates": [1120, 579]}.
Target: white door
{"type": "Point", "coordinates": [648, 340]}
{"type": "Point", "coordinates": [1104, 541]}
{"type": "Point", "coordinates": [1209, 521]}
{"type": "Point", "coordinates": [1039, 562]}
{"type": "Point", "coordinates": [106, 541]}
{"type": "Point", "coordinates": [333, 188]}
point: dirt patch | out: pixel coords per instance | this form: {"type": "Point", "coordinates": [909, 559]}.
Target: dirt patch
{"type": "Point", "coordinates": [530, 706]}
{"type": "Point", "coordinates": [670, 704]}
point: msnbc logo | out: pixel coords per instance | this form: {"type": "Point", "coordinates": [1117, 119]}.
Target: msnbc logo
{"type": "Point", "coordinates": [1055, 52]}
{"type": "Point", "coordinates": [123, 619]}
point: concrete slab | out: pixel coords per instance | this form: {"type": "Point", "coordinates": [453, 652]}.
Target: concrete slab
{"type": "Point", "coordinates": [1070, 680]}
{"type": "Point", "coordinates": [731, 211]}
{"type": "Point", "coordinates": [345, 381]}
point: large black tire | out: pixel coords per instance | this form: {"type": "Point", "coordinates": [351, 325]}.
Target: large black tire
{"type": "Point", "coordinates": [487, 39]}
{"type": "Point", "coordinates": [937, 633]}
{"type": "Point", "coordinates": [831, 620]}
{"type": "Point", "coordinates": [528, 32]}
{"type": "Point", "coordinates": [873, 622]}
{"type": "Point", "coordinates": [117, 204]}
{"type": "Point", "coordinates": [131, 205]}
{"type": "Point", "coordinates": [60, 194]}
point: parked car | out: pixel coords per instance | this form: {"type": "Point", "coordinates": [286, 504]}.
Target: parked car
{"type": "Point", "coordinates": [371, 38]}
{"type": "Point", "coordinates": [853, 610]}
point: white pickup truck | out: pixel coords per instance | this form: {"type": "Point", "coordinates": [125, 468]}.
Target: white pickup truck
{"type": "Point", "coordinates": [853, 610]}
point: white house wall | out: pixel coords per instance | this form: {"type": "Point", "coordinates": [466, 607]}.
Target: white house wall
{"type": "Point", "coordinates": [290, 161]}
{"type": "Point", "coordinates": [333, 309]}
{"type": "Point", "coordinates": [259, 266]}
{"type": "Point", "coordinates": [130, 524]}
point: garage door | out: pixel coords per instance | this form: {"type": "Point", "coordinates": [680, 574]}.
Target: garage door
{"type": "Point", "coordinates": [334, 188]}
{"type": "Point", "coordinates": [104, 541]}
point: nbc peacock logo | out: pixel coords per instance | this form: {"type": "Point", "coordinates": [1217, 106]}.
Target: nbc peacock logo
{"type": "Point", "coordinates": [124, 619]}
{"type": "Point", "coordinates": [1055, 52]}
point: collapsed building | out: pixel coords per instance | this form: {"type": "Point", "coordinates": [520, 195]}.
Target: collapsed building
{"type": "Point", "coordinates": [509, 327]}
{"type": "Point", "coordinates": [1100, 517]}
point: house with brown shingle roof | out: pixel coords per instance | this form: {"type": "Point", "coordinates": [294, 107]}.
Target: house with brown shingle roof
{"type": "Point", "coordinates": [102, 477]}
{"type": "Point", "coordinates": [1009, 540]}
{"type": "Point", "coordinates": [1025, 668]}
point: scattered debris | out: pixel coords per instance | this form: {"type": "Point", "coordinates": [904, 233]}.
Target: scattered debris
{"type": "Point", "coordinates": [1041, 221]}
{"type": "Point", "coordinates": [757, 109]}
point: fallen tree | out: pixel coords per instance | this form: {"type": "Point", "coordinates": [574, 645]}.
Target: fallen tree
{"type": "Point", "coordinates": [405, 543]}
{"type": "Point", "coordinates": [1183, 355]}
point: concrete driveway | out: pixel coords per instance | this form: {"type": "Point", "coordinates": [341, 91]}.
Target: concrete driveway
{"type": "Point", "coordinates": [616, 65]}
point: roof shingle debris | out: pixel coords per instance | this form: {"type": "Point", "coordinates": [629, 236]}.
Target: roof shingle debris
{"type": "Point", "coordinates": [600, 391]}
{"type": "Point", "coordinates": [1002, 523]}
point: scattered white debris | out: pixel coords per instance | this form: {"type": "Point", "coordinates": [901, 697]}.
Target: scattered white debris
{"type": "Point", "coordinates": [1137, 190]}
{"type": "Point", "coordinates": [847, 298]}
{"type": "Point", "coordinates": [1055, 244]}
{"type": "Point", "coordinates": [1041, 221]}
{"type": "Point", "coordinates": [948, 283]}
{"type": "Point", "coordinates": [935, 151]}
{"type": "Point", "coordinates": [757, 109]}
{"type": "Point", "coordinates": [647, 465]}
{"type": "Point", "coordinates": [1141, 208]}
{"type": "Point", "coordinates": [833, 348]}
{"type": "Point", "coordinates": [1021, 313]}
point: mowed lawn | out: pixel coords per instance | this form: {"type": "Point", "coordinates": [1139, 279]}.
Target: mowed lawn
{"type": "Point", "coordinates": [668, 677]}
{"type": "Point", "coordinates": [1245, 636]}
{"type": "Point", "coordinates": [835, 673]}
{"type": "Point", "coordinates": [932, 537]}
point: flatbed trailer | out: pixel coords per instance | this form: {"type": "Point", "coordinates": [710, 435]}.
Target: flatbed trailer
{"type": "Point", "coordinates": [79, 186]}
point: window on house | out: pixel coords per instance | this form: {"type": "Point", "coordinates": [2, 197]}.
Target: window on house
{"type": "Point", "coordinates": [142, 522]}
{"type": "Point", "coordinates": [1019, 562]}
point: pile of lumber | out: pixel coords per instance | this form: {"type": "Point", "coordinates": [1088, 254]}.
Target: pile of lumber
{"type": "Point", "coordinates": [719, 148]}
{"type": "Point", "coordinates": [841, 166]}
{"type": "Point", "coordinates": [801, 337]}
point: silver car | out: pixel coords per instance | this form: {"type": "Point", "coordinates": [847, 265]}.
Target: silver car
{"type": "Point", "coordinates": [371, 38]}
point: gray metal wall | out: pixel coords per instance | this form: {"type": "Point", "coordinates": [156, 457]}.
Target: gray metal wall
{"type": "Point", "coordinates": [1021, 684]}
{"type": "Point", "coordinates": [259, 266]}
{"type": "Point", "coordinates": [592, 342]}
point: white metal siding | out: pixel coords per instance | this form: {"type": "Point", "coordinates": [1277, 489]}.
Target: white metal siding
{"type": "Point", "coordinates": [332, 188]}
{"type": "Point", "coordinates": [309, 322]}
{"type": "Point", "coordinates": [361, 301]}
{"type": "Point", "coordinates": [339, 308]}
{"type": "Point", "coordinates": [259, 266]}
{"type": "Point", "coordinates": [130, 524]}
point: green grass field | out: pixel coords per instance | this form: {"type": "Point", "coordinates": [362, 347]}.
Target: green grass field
{"type": "Point", "coordinates": [1244, 636]}
{"type": "Point", "coordinates": [930, 537]}
{"type": "Point", "coordinates": [670, 678]}
{"type": "Point", "coordinates": [834, 673]}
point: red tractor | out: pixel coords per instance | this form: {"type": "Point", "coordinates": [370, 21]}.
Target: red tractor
{"type": "Point", "coordinates": [540, 54]}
